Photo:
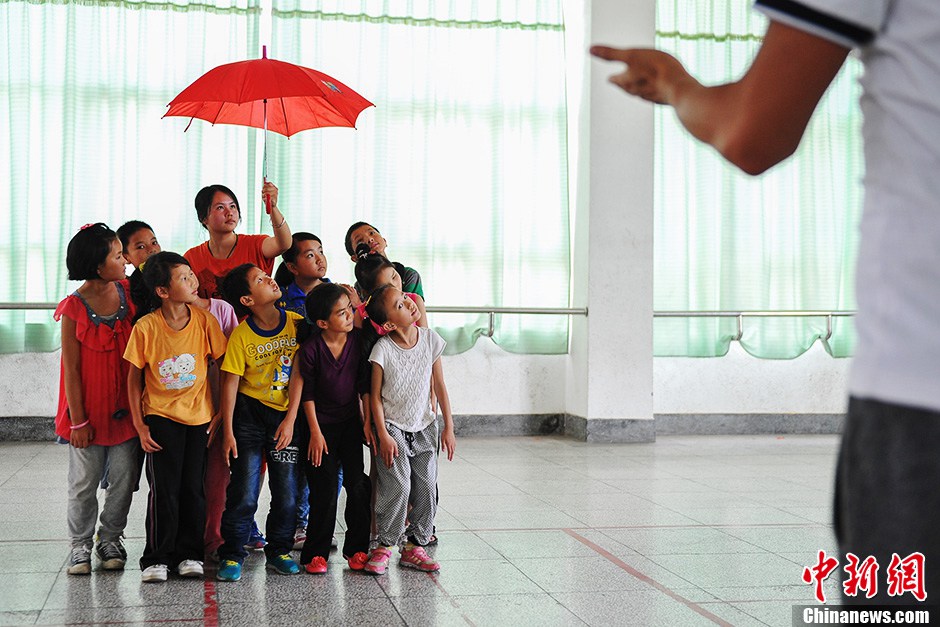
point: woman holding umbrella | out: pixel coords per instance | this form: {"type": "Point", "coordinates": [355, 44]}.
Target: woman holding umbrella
{"type": "Point", "coordinates": [219, 213]}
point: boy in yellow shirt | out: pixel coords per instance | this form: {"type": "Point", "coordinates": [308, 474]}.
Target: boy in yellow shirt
{"type": "Point", "coordinates": [257, 421]}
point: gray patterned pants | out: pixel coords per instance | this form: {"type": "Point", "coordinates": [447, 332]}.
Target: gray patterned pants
{"type": "Point", "coordinates": [413, 476]}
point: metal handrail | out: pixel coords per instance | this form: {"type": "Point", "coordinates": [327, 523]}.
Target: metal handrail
{"type": "Point", "coordinates": [492, 311]}
{"type": "Point", "coordinates": [578, 311]}
{"type": "Point", "coordinates": [28, 306]}
{"type": "Point", "coordinates": [740, 315]}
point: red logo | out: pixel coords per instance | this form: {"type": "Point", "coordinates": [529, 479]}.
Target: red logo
{"type": "Point", "coordinates": [819, 573]}
{"type": "Point", "coordinates": [903, 575]}
{"type": "Point", "coordinates": [907, 575]}
{"type": "Point", "coordinates": [861, 576]}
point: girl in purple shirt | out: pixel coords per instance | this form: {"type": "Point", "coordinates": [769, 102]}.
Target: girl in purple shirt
{"type": "Point", "coordinates": [331, 378]}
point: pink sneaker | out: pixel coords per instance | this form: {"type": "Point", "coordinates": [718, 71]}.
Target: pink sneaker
{"type": "Point", "coordinates": [414, 556]}
{"type": "Point", "coordinates": [317, 566]}
{"type": "Point", "coordinates": [378, 561]}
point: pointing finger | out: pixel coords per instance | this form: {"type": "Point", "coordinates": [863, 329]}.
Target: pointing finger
{"type": "Point", "coordinates": [610, 54]}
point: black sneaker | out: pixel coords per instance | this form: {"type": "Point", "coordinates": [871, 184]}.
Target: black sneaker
{"type": "Point", "coordinates": [112, 554]}
{"type": "Point", "coordinates": [80, 560]}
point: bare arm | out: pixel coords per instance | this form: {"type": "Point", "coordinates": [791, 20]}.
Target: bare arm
{"type": "Point", "coordinates": [135, 394]}
{"type": "Point", "coordinates": [274, 245]}
{"type": "Point", "coordinates": [388, 450]}
{"type": "Point", "coordinates": [755, 122]}
{"type": "Point", "coordinates": [317, 447]}
{"type": "Point", "coordinates": [212, 376]}
{"type": "Point", "coordinates": [228, 389]}
{"type": "Point", "coordinates": [448, 440]}
{"type": "Point", "coordinates": [365, 403]}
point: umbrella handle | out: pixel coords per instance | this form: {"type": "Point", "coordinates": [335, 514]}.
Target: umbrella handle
{"type": "Point", "coordinates": [267, 198]}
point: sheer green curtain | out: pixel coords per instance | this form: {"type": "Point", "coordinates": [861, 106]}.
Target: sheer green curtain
{"type": "Point", "coordinates": [462, 164]}
{"type": "Point", "coordinates": [724, 241]}
{"type": "Point", "coordinates": [82, 89]}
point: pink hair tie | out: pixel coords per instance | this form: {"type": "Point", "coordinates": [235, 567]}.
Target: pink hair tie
{"type": "Point", "coordinates": [88, 226]}
{"type": "Point", "coordinates": [361, 310]}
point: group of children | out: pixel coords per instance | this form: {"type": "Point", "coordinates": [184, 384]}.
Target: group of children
{"type": "Point", "coordinates": [159, 374]}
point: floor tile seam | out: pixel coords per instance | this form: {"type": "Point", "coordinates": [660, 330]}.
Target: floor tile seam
{"type": "Point", "coordinates": [727, 531]}
{"type": "Point", "coordinates": [390, 600]}
{"type": "Point", "coordinates": [154, 621]}
{"type": "Point", "coordinates": [509, 560]}
{"type": "Point", "coordinates": [53, 540]}
{"type": "Point", "coordinates": [750, 615]}
{"type": "Point", "coordinates": [15, 472]}
{"type": "Point", "coordinates": [450, 599]}
{"type": "Point", "coordinates": [539, 529]}
{"type": "Point", "coordinates": [738, 607]}
{"type": "Point", "coordinates": [64, 541]}
{"type": "Point", "coordinates": [55, 581]}
{"type": "Point", "coordinates": [802, 528]}
{"type": "Point", "coordinates": [650, 581]}
{"type": "Point", "coordinates": [800, 601]}
{"type": "Point", "coordinates": [551, 595]}
{"type": "Point", "coordinates": [705, 525]}
{"type": "Point", "coordinates": [651, 555]}
{"type": "Point", "coordinates": [811, 557]}
{"type": "Point", "coordinates": [486, 471]}
{"type": "Point", "coordinates": [734, 493]}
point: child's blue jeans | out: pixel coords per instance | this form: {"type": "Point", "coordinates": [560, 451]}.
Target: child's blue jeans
{"type": "Point", "coordinates": [254, 425]}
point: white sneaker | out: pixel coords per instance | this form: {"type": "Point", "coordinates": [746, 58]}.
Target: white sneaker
{"type": "Point", "coordinates": [154, 574]}
{"type": "Point", "coordinates": [300, 536]}
{"type": "Point", "coordinates": [190, 568]}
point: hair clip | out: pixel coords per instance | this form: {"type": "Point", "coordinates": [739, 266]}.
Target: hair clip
{"type": "Point", "coordinates": [361, 310]}
{"type": "Point", "coordinates": [363, 251]}
{"type": "Point", "coordinates": [88, 226]}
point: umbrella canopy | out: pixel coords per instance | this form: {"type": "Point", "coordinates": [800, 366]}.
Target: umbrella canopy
{"type": "Point", "coordinates": [266, 93]}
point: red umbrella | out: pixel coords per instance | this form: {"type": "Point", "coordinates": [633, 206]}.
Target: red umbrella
{"type": "Point", "coordinates": [269, 94]}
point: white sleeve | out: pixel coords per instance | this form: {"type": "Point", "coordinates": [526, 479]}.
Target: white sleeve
{"type": "Point", "coordinates": [849, 23]}
{"type": "Point", "coordinates": [437, 344]}
{"type": "Point", "coordinates": [378, 353]}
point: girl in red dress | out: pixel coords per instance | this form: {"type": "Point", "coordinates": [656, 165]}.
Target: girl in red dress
{"type": "Point", "coordinates": [93, 405]}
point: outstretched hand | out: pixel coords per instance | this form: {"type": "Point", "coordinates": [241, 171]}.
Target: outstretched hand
{"type": "Point", "coordinates": [652, 75]}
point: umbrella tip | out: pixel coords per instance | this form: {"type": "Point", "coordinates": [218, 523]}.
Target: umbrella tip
{"type": "Point", "coordinates": [264, 52]}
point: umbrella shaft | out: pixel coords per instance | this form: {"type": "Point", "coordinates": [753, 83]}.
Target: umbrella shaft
{"type": "Point", "coordinates": [264, 154]}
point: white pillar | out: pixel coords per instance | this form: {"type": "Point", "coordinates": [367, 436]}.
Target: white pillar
{"type": "Point", "coordinates": [610, 371]}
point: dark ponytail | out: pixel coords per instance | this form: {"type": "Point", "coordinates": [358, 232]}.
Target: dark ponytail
{"type": "Point", "coordinates": [368, 267]}
{"type": "Point", "coordinates": [377, 315]}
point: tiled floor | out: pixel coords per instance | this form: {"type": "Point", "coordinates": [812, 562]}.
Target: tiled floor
{"type": "Point", "coordinates": [534, 531]}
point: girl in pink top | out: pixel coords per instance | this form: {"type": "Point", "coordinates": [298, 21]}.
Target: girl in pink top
{"type": "Point", "coordinates": [93, 404]}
